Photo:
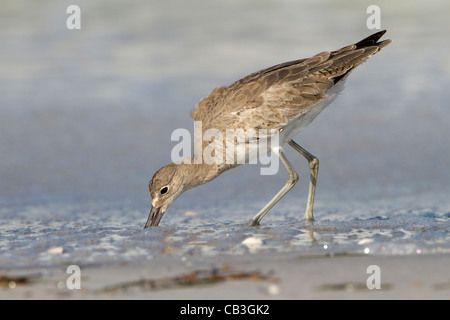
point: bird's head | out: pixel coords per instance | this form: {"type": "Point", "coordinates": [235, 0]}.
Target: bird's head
{"type": "Point", "coordinates": [165, 187]}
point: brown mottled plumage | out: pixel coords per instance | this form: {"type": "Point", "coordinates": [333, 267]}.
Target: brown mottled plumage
{"type": "Point", "coordinates": [285, 97]}
{"type": "Point", "coordinates": [282, 92]}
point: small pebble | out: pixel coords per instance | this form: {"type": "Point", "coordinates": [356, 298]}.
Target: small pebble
{"type": "Point", "coordinates": [56, 250]}
{"type": "Point", "coordinates": [252, 243]}
{"type": "Point", "coordinates": [191, 214]}
{"type": "Point", "coordinates": [273, 289]}
{"type": "Point", "coordinates": [365, 241]}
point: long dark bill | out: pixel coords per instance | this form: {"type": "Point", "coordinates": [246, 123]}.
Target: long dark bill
{"type": "Point", "coordinates": [154, 217]}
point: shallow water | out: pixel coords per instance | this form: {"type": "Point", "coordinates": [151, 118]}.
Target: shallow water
{"type": "Point", "coordinates": [86, 118]}
{"type": "Point", "coordinates": [110, 232]}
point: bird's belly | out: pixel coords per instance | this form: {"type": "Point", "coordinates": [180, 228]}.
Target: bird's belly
{"type": "Point", "coordinates": [296, 125]}
{"type": "Point", "coordinates": [263, 145]}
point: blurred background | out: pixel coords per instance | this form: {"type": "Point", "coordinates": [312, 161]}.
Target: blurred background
{"type": "Point", "coordinates": [86, 115]}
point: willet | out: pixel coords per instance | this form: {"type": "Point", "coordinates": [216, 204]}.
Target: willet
{"type": "Point", "coordinates": [284, 99]}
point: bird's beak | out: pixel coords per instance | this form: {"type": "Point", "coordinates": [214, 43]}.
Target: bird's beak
{"type": "Point", "coordinates": [154, 217]}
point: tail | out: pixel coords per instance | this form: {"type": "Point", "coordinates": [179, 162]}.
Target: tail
{"type": "Point", "coordinates": [372, 41]}
{"type": "Point", "coordinates": [347, 58]}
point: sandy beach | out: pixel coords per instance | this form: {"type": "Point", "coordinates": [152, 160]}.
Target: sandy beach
{"type": "Point", "coordinates": [246, 277]}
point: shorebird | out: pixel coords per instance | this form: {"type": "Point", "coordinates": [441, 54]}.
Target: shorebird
{"type": "Point", "coordinates": [284, 98]}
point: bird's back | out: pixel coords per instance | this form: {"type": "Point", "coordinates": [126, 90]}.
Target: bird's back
{"type": "Point", "coordinates": [271, 98]}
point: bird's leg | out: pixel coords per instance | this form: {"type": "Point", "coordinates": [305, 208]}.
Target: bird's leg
{"type": "Point", "coordinates": [292, 180]}
{"type": "Point", "coordinates": [314, 166]}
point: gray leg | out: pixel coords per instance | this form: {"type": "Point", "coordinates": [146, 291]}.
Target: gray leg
{"type": "Point", "coordinates": [314, 166]}
{"type": "Point", "coordinates": [292, 180]}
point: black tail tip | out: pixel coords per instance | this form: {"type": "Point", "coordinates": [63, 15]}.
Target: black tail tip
{"type": "Point", "coordinates": [370, 40]}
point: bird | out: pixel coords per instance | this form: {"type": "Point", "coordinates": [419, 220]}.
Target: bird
{"type": "Point", "coordinates": [282, 99]}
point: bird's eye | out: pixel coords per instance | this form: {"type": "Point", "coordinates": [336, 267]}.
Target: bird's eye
{"type": "Point", "coordinates": [164, 190]}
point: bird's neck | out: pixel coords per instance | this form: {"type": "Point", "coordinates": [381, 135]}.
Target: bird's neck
{"type": "Point", "coordinates": [198, 174]}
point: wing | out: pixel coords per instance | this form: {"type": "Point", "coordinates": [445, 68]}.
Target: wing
{"type": "Point", "coordinates": [270, 98]}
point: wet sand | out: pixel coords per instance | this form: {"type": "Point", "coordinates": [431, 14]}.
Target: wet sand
{"type": "Point", "coordinates": [250, 276]}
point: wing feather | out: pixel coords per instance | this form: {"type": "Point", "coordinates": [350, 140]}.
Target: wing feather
{"type": "Point", "coordinates": [271, 97]}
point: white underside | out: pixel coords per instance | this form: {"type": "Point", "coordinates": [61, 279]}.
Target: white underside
{"type": "Point", "coordinates": [255, 148]}
{"type": "Point", "coordinates": [295, 126]}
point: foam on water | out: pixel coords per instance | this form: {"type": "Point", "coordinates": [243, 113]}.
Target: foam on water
{"type": "Point", "coordinates": [99, 234]}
